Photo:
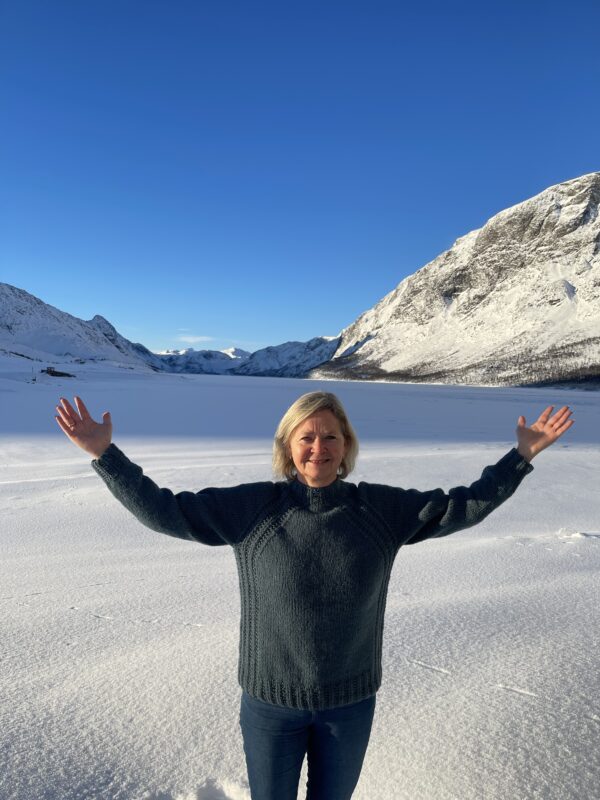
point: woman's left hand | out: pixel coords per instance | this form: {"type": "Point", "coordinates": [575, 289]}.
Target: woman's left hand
{"type": "Point", "coordinates": [544, 432]}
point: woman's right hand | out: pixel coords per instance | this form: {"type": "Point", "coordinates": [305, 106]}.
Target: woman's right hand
{"type": "Point", "coordinates": [82, 430]}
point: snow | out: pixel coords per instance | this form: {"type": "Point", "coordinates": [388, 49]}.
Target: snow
{"type": "Point", "coordinates": [516, 301]}
{"type": "Point", "coordinates": [119, 645]}
{"type": "Point", "coordinates": [37, 332]}
{"type": "Point", "coordinates": [290, 358]}
{"type": "Point", "coordinates": [31, 330]}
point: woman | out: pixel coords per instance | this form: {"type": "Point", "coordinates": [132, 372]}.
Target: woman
{"type": "Point", "coordinates": [314, 556]}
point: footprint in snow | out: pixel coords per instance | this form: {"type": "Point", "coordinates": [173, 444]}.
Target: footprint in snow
{"type": "Point", "coordinates": [211, 789]}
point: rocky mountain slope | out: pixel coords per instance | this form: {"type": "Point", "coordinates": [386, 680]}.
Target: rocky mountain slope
{"type": "Point", "coordinates": [291, 359]}
{"type": "Point", "coordinates": [212, 362]}
{"type": "Point", "coordinates": [516, 301]}
{"type": "Point", "coordinates": [30, 328]}
{"type": "Point", "coordinates": [33, 330]}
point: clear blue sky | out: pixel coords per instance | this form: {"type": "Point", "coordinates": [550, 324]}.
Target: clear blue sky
{"type": "Point", "coordinates": [254, 172]}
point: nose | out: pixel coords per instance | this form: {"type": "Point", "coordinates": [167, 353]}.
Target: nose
{"type": "Point", "coordinates": [318, 445]}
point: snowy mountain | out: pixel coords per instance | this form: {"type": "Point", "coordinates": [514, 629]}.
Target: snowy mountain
{"type": "Point", "coordinates": [32, 329]}
{"type": "Point", "coordinates": [516, 301]}
{"type": "Point", "coordinates": [291, 359]}
{"type": "Point", "coordinates": [203, 361]}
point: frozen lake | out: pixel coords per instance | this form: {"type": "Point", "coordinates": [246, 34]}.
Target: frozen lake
{"type": "Point", "coordinates": [119, 645]}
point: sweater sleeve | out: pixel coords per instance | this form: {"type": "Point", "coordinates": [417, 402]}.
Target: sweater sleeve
{"type": "Point", "coordinates": [213, 516]}
{"type": "Point", "coordinates": [415, 516]}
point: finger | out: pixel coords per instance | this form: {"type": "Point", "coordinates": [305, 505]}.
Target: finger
{"type": "Point", "coordinates": [81, 407]}
{"type": "Point", "coordinates": [544, 416]}
{"type": "Point", "coordinates": [65, 428]}
{"type": "Point", "coordinates": [564, 427]}
{"type": "Point", "coordinates": [561, 415]}
{"type": "Point", "coordinates": [521, 422]}
{"type": "Point", "coordinates": [560, 418]}
{"type": "Point", "coordinates": [70, 411]}
{"type": "Point", "coordinates": [68, 420]}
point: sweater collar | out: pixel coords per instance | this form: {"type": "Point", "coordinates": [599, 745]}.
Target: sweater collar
{"type": "Point", "coordinates": [320, 499]}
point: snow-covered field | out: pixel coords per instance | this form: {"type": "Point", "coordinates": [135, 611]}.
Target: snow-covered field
{"type": "Point", "coordinates": [119, 645]}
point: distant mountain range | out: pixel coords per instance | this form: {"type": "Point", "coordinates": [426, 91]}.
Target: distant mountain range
{"type": "Point", "coordinates": [34, 330]}
{"type": "Point", "coordinates": [514, 302]}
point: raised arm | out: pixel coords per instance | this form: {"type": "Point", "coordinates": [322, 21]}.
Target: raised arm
{"type": "Point", "coordinates": [415, 516]}
{"type": "Point", "coordinates": [437, 513]}
{"type": "Point", "coordinates": [214, 516]}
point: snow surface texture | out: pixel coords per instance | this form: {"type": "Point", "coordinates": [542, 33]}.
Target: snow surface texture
{"type": "Point", "coordinates": [517, 301]}
{"type": "Point", "coordinates": [119, 645]}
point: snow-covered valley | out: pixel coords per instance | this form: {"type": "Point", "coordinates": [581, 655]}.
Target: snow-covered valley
{"type": "Point", "coordinates": [119, 645]}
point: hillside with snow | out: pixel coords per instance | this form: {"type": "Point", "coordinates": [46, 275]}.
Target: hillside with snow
{"type": "Point", "coordinates": [515, 302]}
{"type": "Point", "coordinates": [290, 359]}
{"type": "Point", "coordinates": [33, 330]}
{"type": "Point", "coordinates": [215, 362]}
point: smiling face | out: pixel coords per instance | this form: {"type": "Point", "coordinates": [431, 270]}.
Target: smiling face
{"type": "Point", "coordinates": [317, 447]}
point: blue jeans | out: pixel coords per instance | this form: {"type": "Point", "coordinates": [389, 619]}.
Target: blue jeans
{"type": "Point", "coordinates": [277, 738]}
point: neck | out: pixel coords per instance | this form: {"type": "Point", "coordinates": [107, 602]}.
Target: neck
{"type": "Point", "coordinates": [314, 485]}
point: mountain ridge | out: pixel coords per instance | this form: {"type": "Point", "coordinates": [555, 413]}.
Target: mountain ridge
{"type": "Point", "coordinates": [516, 301]}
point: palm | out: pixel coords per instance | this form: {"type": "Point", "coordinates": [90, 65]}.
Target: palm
{"type": "Point", "coordinates": [93, 437]}
{"type": "Point", "coordinates": [544, 431]}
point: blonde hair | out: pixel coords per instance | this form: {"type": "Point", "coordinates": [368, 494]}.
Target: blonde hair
{"type": "Point", "coordinates": [304, 407]}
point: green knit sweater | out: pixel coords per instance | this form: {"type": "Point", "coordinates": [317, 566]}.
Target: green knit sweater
{"type": "Point", "coordinates": [313, 565]}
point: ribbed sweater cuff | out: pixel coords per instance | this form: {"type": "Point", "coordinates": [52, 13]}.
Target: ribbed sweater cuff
{"type": "Point", "coordinates": [513, 460]}
{"type": "Point", "coordinates": [111, 463]}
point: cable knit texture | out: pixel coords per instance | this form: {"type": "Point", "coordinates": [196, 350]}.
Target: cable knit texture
{"type": "Point", "coordinates": [313, 565]}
